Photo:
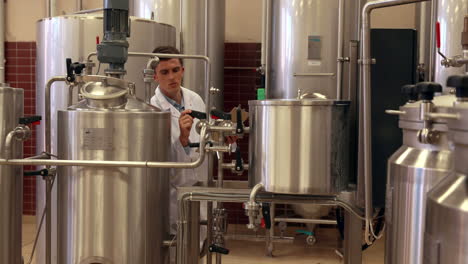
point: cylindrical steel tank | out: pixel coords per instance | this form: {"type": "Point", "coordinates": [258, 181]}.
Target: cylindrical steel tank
{"type": "Point", "coordinates": [446, 234]}
{"type": "Point", "coordinates": [412, 172]}
{"type": "Point", "coordinates": [201, 28]}
{"type": "Point", "coordinates": [307, 38]}
{"type": "Point", "coordinates": [11, 177]}
{"type": "Point", "coordinates": [113, 215]}
{"type": "Point", "coordinates": [299, 146]}
{"type": "Point", "coordinates": [74, 36]}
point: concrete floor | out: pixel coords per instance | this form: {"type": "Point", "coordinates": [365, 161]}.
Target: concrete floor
{"type": "Point", "coordinates": [243, 251]}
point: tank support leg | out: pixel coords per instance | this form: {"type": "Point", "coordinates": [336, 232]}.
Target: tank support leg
{"type": "Point", "coordinates": [353, 239]}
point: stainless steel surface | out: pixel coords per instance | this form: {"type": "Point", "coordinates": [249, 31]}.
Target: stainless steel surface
{"type": "Point", "coordinates": [11, 177]}
{"type": "Point", "coordinates": [365, 144]}
{"type": "Point", "coordinates": [413, 171]}
{"type": "Point", "coordinates": [74, 37]}
{"type": "Point", "coordinates": [425, 25]}
{"type": "Point", "coordinates": [306, 221]}
{"type": "Point", "coordinates": [299, 146]}
{"type": "Point", "coordinates": [293, 26]}
{"type": "Point", "coordinates": [445, 237]}
{"type": "Point", "coordinates": [353, 239]}
{"type": "Point", "coordinates": [109, 214]}
{"type": "Point", "coordinates": [188, 195]}
{"type": "Point", "coordinates": [450, 15]}
{"type": "Point", "coordinates": [201, 30]}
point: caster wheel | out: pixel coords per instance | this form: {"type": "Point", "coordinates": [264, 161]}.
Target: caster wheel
{"type": "Point", "coordinates": [311, 240]}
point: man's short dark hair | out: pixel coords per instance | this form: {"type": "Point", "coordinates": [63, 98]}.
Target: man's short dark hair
{"type": "Point", "coordinates": [167, 50]}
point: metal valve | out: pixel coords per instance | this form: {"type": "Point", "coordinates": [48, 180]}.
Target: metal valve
{"type": "Point", "coordinates": [426, 91]}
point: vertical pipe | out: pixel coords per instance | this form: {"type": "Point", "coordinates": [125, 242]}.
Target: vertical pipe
{"type": "Point", "coordinates": [353, 236]}
{"type": "Point", "coordinates": [2, 41]}
{"type": "Point", "coordinates": [209, 231]}
{"type": "Point", "coordinates": [340, 59]}
{"type": "Point", "coordinates": [365, 123]}
{"type": "Point", "coordinates": [220, 185]}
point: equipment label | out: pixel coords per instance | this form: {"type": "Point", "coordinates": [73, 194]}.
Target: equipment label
{"type": "Point", "coordinates": [98, 138]}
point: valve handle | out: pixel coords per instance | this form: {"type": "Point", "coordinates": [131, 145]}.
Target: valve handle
{"type": "Point", "coordinates": [427, 90]}
{"type": "Point", "coordinates": [34, 120]}
{"type": "Point", "coordinates": [70, 75]}
{"type": "Point", "coordinates": [197, 114]}
{"type": "Point", "coordinates": [217, 114]}
{"type": "Point", "coordinates": [194, 145]}
{"type": "Point", "coordinates": [266, 215]}
{"type": "Point", "coordinates": [460, 82]}
{"type": "Point", "coordinates": [43, 172]}
{"type": "Point", "coordinates": [239, 161]}
{"type": "Point", "coordinates": [410, 91]}
{"type": "Point", "coordinates": [240, 126]}
{"type": "Point", "coordinates": [217, 249]}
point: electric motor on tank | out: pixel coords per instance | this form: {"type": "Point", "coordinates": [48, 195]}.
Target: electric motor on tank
{"type": "Point", "coordinates": [446, 236]}
{"type": "Point", "coordinates": [299, 146]}
{"type": "Point", "coordinates": [112, 214]}
{"type": "Point", "coordinates": [424, 159]}
{"type": "Point", "coordinates": [11, 177]}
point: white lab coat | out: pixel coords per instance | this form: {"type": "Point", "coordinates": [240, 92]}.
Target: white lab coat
{"type": "Point", "coordinates": [182, 177]}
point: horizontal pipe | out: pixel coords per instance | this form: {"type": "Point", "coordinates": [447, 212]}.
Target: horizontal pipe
{"type": "Point", "coordinates": [103, 163]}
{"type": "Point", "coordinates": [88, 11]}
{"type": "Point", "coordinates": [306, 221]}
{"type": "Point", "coordinates": [232, 166]}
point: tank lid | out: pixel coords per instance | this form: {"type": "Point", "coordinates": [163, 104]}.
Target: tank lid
{"type": "Point", "coordinates": [105, 92]}
{"type": "Point", "coordinates": [298, 102]}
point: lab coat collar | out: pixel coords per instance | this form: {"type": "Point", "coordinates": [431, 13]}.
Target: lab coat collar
{"type": "Point", "coordinates": [166, 106]}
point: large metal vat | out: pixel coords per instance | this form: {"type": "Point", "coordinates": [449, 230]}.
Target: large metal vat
{"type": "Point", "coordinates": [74, 37]}
{"type": "Point", "coordinates": [113, 215]}
{"type": "Point", "coordinates": [299, 146]}
{"type": "Point", "coordinates": [446, 234]}
{"type": "Point", "coordinates": [307, 38]}
{"type": "Point", "coordinates": [194, 37]}
{"type": "Point", "coordinates": [412, 172]}
{"type": "Point", "coordinates": [11, 177]}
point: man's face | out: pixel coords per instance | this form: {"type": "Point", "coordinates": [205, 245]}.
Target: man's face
{"type": "Point", "coordinates": [169, 75]}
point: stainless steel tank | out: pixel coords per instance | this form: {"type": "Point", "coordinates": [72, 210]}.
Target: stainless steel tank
{"type": "Point", "coordinates": [74, 36]}
{"type": "Point", "coordinates": [299, 146]}
{"type": "Point", "coordinates": [450, 15]}
{"type": "Point", "coordinates": [107, 214]}
{"type": "Point", "coordinates": [194, 37]}
{"type": "Point", "coordinates": [11, 177]}
{"type": "Point", "coordinates": [307, 38]}
{"type": "Point", "coordinates": [446, 234]}
{"type": "Point", "coordinates": [412, 172]}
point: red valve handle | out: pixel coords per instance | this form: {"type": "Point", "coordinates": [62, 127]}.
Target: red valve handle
{"type": "Point", "coordinates": [438, 34]}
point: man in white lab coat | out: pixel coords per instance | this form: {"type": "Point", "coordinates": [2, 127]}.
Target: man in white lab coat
{"type": "Point", "coordinates": [171, 96]}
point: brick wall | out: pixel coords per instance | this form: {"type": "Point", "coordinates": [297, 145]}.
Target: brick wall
{"type": "Point", "coordinates": [240, 86]}
{"type": "Point", "coordinates": [20, 73]}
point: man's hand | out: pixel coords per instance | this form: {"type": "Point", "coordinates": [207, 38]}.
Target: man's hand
{"type": "Point", "coordinates": [185, 125]}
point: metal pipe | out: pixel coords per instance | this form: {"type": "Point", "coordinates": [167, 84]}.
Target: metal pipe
{"type": "Point", "coordinates": [233, 166]}
{"type": "Point", "coordinates": [366, 62]}
{"type": "Point", "coordinates": [340, 60]}
{"type": "Point", "coordinates": [9, 142]}
{"type": "Point", "coordinates": [306, 221]}
{"type": "Point", "coordinates": [214, 196]}
{"type": "Point", "coordinates": [48, 233]}
{"type": "Point", "coordinates": [255, 191]}
{"type": "Point", "coordinates": [88, 11]}
{"type": "Point", "coordinates": [79, 5]}
{"type": "Point", "coordinates": [2, 41]}
{"type": "Point", "coordinates": [47, 118]}
{"type": "Point", "coordinates": [179, 56]}
{"type": "Point", "coordinates": [105, 163]}
{"type": "Point", "coordinates": [264, 26]}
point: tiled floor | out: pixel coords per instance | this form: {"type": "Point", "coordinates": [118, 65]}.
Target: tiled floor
{"type": "Point", "coordinates": [253, 252]}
